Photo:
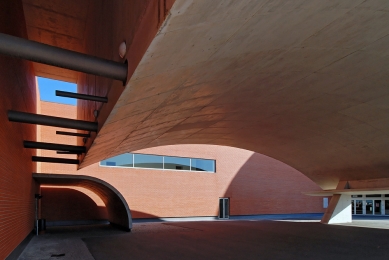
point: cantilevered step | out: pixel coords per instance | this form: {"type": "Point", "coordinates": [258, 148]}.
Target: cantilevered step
{"type": "Point", "coordinates": [55, 147]}
{"type": "Point", "coordinates": [54, 160]}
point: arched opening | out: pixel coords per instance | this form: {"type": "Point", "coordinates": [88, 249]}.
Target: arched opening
{"type": "Point", "coordinates": [117, 208]}
{"type": "Point", "coordinates": [71, 205]}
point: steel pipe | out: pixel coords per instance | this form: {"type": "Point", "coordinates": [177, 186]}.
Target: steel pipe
{"type": "Point", "coordinates": [72, 134]}
{"type": "Point", "coordinates": [29, 118]}
{"type": "Point", "coordinates": [51, 146]}
{"type": "Point", "coordinates": [66, 152]}
{"type": "Point", "coordinates": [54, 160]}
{"type": "Point", "coordinates": [47, 54]}
{"type": "Point", "coordinates": [81, 96]}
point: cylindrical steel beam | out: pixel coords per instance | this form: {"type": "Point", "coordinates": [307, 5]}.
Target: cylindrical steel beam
{"type": "Point", "coordinates": [54, 160]}
{"type": "Point", "coordinates": [72, 134]}
{"type": "Point", "coordinates": [47, 54]}
{"type": "Point", "coordinates": [29, 118]}
{"type": "Point", "coordinates": [66, 152]}
{"type": "Point", "coordinates": [81, 96]}
{"type": "Point", "coordinates": [55, 147]}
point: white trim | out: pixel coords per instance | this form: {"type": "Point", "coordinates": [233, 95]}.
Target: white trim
{"type": "Point", "coordinates": [163, 164]}
{"type": "Point", "coordinates": [111, 166]}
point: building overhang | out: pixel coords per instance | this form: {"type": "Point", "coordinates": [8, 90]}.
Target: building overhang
{"type": "Point", "coordinates": [368, 191]}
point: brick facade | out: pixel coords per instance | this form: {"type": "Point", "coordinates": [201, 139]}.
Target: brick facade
{"type": "Point", "coordinates": [255, 183]}
{"type": "Point", "coordinates": [18, 92]}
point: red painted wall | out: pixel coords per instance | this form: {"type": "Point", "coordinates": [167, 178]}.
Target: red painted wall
{"type": "Point", "coordinates": [17, 88]}
{"type": "Point", "coordinates": [255, 184]}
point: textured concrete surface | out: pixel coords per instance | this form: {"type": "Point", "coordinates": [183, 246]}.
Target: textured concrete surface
{"type": "Point", "coordinates": [64, 240]}
{"type": "Point", "coordinates": [304, 82]}
{"type": "Point", "coordinates": [255, 239]}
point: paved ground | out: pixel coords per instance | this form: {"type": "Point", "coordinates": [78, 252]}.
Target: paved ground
{"type": "Point", "coordinates": [243, 239]}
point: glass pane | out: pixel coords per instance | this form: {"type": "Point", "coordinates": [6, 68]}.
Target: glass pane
{"type": "Point", "coordinates": [386, 207]}
{"type": "Point", "coordinates": [221, 208]}
{"type": "Point", "coordinates": [373, 195]}
{"type": "Point", "coordinates": [227, 208]}
{"type": "Point", "coordinates": [123, 160]}
{"type": "Point", "coordinates": [386, 195]}
{"type": "Point", "coordinates": [352, 207]}
{"type": "Point", "coordinates": [358, 207]}
{"type": "Point", "coordinates": [148, 161]}
{"type": "Point", "coordinates": [369, 207]}
{"type": "Point", "coordinates": [356, 196]}
{"type": "Point", "coordinates": [377, 207]}
{"type": "Point", "coordinates": [203, 165]}
{"type": "Point", "coordinates": [177, 163]}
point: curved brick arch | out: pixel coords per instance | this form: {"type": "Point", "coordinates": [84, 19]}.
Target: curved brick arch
{"type": "Point", "coordinates": [118, 210]}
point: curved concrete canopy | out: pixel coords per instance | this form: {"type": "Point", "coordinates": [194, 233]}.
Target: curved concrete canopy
{"type": "Point", "coordinates": [305, 82]}
{"type": "Point", "coordinates": [117, 207]}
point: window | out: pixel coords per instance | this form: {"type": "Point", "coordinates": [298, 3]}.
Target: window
{"type": "Point", "coordinates": [202, 165]}
{"type": "Point", "coordinates": [150, 161]}
{"type": "Point", "coordinates": [123, 160]}
{"type": "Point", "coordinates": [176, 163]}
{"type": "Point", "coordinates": [325, 203]}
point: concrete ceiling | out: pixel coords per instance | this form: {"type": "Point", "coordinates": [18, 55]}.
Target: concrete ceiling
{"type": "Point", "coordinates": [302, 81]}
{"type": "Point", "coordinates": [58, 23]}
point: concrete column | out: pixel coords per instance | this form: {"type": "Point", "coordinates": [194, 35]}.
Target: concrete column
{"type": "Point", "coordinates": [339, 210]}
{"type": "Point", "coordinates": [382, 205]}
{"type": "Point", "coordinates": [364, 205]}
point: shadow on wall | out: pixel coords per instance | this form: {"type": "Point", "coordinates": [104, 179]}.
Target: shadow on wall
{"type": "Point", "coordinates": [255, 184]}
{"type": "Point", "coordinates": [67, 204]}
{"type": "Point", "coordinates": [71, 206]}
{"type": "Point", "coordinates": [264, 185]}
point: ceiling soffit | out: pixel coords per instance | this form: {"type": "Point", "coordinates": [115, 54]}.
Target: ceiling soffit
{"type": "Point", "coordinates": [304, 82]}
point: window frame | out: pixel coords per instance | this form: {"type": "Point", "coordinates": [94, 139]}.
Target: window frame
{"type": "Point", "coordinates": [163, 163]}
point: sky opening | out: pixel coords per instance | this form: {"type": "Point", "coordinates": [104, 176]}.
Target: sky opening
{"type": "Point", "coordinates": [47, 88]}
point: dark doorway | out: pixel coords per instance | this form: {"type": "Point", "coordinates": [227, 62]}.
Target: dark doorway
{"type": "Point", "coordinates": [224, 208]}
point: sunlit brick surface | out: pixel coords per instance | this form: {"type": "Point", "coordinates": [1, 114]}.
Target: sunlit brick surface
{"type": "Point", "coordinates": [255, 184]}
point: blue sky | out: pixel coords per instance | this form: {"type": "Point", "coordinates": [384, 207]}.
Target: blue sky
{"type": "Point", "coordinates": [47, 88]}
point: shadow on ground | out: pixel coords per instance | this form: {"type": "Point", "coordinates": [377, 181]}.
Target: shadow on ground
{"type": "Point", "coordinates": [243, 240]}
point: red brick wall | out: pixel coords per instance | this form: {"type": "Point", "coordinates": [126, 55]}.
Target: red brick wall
{"type": "Point", "coordinates": [17, 88]}
{"type": "Point", "coordinates": [70, 203]}
{"type": "Point", "coordinates": [256, 184]}
{"type": "Point", "coordinates": [136, 23]}
{"type": "Point", "coordinates": [48, 134]}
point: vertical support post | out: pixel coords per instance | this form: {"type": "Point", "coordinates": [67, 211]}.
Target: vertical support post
{"type": "Point", "coordinates": [382, 204]}
{"type": "Point", "coordinates": [37, 198]}
{"type": "Point", "coordinates": [36, 216]}
{"type": "Point", "coordinates": [364, 204]}
{"type": "Point", "coordinates": [339, 210]}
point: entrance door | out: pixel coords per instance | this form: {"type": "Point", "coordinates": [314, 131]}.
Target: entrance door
{"type": "Point", "coordinates": [224, 208]}
{"type": "Point", "coordinates": [377, 207]}
{"type": "Point", "coordinates": [369, 207]}
{"type": "Point", "coordinates": [386, 207]}
{"type": "Point", "coordinates": [358, 207]}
